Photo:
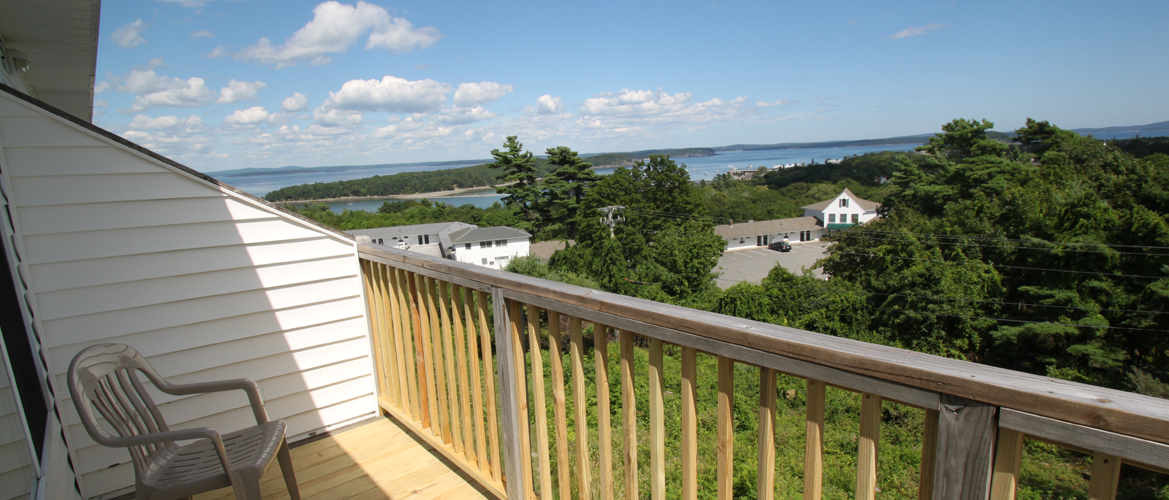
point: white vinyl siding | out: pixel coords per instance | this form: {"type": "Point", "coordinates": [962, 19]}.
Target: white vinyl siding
{"type": "Point", "coordinates": [208, 284]}
{"type": "Point", "coordinates": [17, 472]}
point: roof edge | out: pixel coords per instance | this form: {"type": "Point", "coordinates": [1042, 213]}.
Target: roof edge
{"type": "Point", "coordinates": [106, 134]}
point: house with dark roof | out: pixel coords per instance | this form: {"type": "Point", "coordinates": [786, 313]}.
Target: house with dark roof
{"type": "Point", "coordinates": [751, 234]}
{"type": "Point", "coordinates": [491, 247]}
{"type": "Point", "coordinates": [843, 211]}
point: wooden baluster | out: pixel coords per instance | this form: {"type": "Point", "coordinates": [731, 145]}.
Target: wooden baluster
{"type": "Point", "coordinates": [657, 422]}
{"type": "Point", "coordinates": [410, 349]}
{"type": "Point", "coordinates": [371, 308]}
{"type": "Point", "coordinates": [521, 386]}
{"type": "Point", "coordinates": [387, 345]}
{"type": "Point", "coordinates": [422, 355]}
{"type": "Point", "coordinates": [604, 422]}
{"type": "Point", "coordinates": [563, 481]}
{"type": "Point", "coordinates": [461, 361]}
{"type": "Point", "coordinates": [628, 413]}
{"type": "Point", "coordinates": [579, 399]}
{"type": "Point", "coordinates": [440, 382]}
{"type": "Point", "coordinates": [814, 447]}
{"type": "Point", "coordinates": [476, 388]}
{"type": "Point", "coordinates": [541, 406]}
{"type": "Point", "coordinates": [870, 432]}
{"type": "Point", "coordinates": [766, 474]}
{"type": "Point", "coordinates": [390, 279]}
{"type": "Point", "coordinates": [489, 382]}
{"type": "Point", "coordinates": [1008, 459]}
{"type": "Point", "coordinates": [929, 451]}
{"type": "Point", "coordinates": [514, 418]}
{"type": "Point", "coordinates": [689, 424]}
{"type": "Point", "coordinates": [1105, 477]}
{"type": "Point", "coordinates": [454, 424]}
{"type": "Point", "coordinates": [726, 427]}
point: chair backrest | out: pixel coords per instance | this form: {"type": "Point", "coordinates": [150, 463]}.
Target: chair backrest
{"type": "Point", "coordinates": [103, 377]}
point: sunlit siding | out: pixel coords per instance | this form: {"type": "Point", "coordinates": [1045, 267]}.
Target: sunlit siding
{"type": "Point", "coordinates": [208, 283]}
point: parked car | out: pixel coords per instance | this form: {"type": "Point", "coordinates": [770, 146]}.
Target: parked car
{"type": "Point", "coordinates": [780, 246]}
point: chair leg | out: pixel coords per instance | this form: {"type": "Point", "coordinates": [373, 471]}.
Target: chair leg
{"type": "Point", "coordinates": [246, 486]}
{"type": "Point", "coordinates": [285, 459]}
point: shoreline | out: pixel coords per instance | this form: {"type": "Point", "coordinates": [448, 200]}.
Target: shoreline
{"type": "Point", "coordinates": [412, 196]}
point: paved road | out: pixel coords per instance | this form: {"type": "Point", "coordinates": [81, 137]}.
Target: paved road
{"type": "Point", "coordinates": [753, 265]}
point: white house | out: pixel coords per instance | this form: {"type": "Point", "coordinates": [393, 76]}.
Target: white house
{"type": "Point", "coordinates": [102, 240]}
{"type": "Point", "coordinates": [752, 234]}
{"type": "Point", "coordinates": [422, 238]}
{"type": "Point", "coordinates": [843, 211]}
{"type": "Point", "coordinates": [489, 246]}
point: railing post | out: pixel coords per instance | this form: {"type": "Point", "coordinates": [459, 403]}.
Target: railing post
{"type": "Point", "coordinates": [509, 418]}
{"type": "Point", "coordinates": [965, 449]}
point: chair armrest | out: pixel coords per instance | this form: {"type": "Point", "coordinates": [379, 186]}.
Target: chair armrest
{"type": "Point", "coordinates": [169, 436]}
{"type": "Point", "coordinates": [243, 384]}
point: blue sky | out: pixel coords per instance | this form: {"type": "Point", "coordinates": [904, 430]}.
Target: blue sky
{"type": "Point", "coordinates": [269, 83]}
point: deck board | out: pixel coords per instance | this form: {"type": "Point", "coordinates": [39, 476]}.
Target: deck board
{"type": "Point", "coordinates": [375, 461]}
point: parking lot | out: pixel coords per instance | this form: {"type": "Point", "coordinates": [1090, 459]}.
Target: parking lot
{"type": "Point", "coordinates": [754, 264]}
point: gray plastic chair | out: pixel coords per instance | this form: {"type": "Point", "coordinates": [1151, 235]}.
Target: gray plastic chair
{"type": "Point", "coordinates": [103, 377]}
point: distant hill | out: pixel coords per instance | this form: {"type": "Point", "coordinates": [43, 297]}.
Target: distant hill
{"type": "Point", "coordinates": [1152, 127]}
{"type": "Point", "coordinates": [244, 172]}
{"type": "Point", "coordinates": [908, 139]}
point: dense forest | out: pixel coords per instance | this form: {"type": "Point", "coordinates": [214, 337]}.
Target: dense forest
{"type": "Point", "coordinates": [1042, 251]}
{"type": "Point", "coordinates": [445, 180]}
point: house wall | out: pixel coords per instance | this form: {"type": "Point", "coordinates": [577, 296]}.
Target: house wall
{"type": "Point", "coordinates": [516, 247]}
{"type": "Point", "coordinates": [18, 473]}
{"type": "Point", "coordinates": [751, 241]}
{"type": "Point", "coordinates": [209, 284]}
{"type": "Point", "coordinates": [834, 208]}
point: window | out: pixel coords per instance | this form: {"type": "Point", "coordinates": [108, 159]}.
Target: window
{"type": "Point", "coordinates": [844, 203]}
{"type": "Point", "coordinates": [484, 244]}
{"type": "Point", "coordinates": [379, 241]}
{"type": "Point", "coordinates": [468, 246]}
{"type": "Point", "coordinates": [831, 218]}
{"type": "Point", "coordinates": [420, 239]}
{"type": "Point", "coordinates": [856, 218]}
{"type": "Point", "coordinates": [500, 243]}
{"type": "Point", "coordinates": [485, 261]}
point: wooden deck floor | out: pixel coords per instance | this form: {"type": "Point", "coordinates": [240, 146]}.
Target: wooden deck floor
{"type": "Point", "coordinates": [374, 461]}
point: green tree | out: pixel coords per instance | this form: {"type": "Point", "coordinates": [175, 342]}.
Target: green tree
{"type": "Point", "coordinates": [519, 169]}
{"type": "Point", "coordinates": [566, 189]}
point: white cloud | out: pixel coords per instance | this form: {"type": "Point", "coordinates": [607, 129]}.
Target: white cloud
{"type": "Point", "coordinates": [202, 34]}
{"type": "Point", "coordinates": [100, 87]}
{"type": "Point", "coordinates": [177, 93]}
{"type": "Point", "coordinates": [142, 81]}
{"type": "Point", "coordinates": [250, 116]}
{"type": "Point", "coordinates": [239, 91]}
{"type": "Point", "coordinates": [100, 103]}
{"type": "Point", "coordinates": [918, 30]}
{"type": "Point", "coordinates": [471, 94]}
{"type": "Point", "coordinates": [392, 94]}
{"type": "Point", "coordinates": [129, 36]}
{"type": "Point", "coordinates": [217, 52]}
{"type": "Point", "coordinates": [295, 103]}
{"type": "Point", "coordinates": [335, 117]}
{"type": "Point", "coordinates": [336, 27]}
{"type": "Point", "coordinates": [143, 122]}
{"type": "Point", "coordinates": [635, 102]}
{"type": "Point", "coordinates": [548, 105]}
{"type": "Point", "coordinates": [154, 62]}
{"type": "Point", "coordinates": [461, 116]}
{"type": "Point", "coordinates": [765, 104]}
{"type": "Point", "coordinates": [186, 3]}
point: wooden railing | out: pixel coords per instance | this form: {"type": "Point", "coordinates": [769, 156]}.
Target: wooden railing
{"type": "Point", "coordinates": [433, 341]}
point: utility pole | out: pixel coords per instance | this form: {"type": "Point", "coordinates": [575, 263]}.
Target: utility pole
{"type": "Point", "coordinates": [609, 219]}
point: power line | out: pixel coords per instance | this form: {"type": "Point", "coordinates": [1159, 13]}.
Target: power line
{"type": "Point", "coordinates": [1020, 304]}
{"type": "Point", "coordinates": [892, 237]}
{"type": "Point", "coordinates": [995, 238]}
{"type": "Point", "coordinates": [1025, 268]}
{"type": "Point", "coordinates": [1023, 320]}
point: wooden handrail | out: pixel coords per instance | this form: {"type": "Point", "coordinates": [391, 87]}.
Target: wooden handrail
{"type": "Point", "coordinates": [1107, 409]}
